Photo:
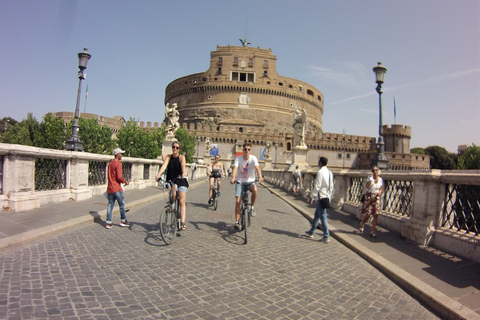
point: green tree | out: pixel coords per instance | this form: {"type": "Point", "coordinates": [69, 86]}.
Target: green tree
{"type": "Point", "coordinates": [470, 159]}
{"type": "Point", "coordinates": [440, 158]}
{"type": "Point", "coordinates": [138, 143]}
{"type": "Point", "coordinates": [51, 133]}
{"type": "Point", "coordinates": [417, 150]}
{"type": "Point", "coordinates": [95, 139]}
{"type": "Point", "coordinates": [6, 123]}
{"type": "Point", "coordinates": [21, 132]}
{"type": "Point", "coordinates": [188, 143]}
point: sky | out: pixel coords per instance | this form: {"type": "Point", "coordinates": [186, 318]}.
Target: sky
{"type": "Point", "coordinates": [431, 49]}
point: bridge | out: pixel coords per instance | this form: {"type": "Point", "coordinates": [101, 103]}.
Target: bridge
{"type": "Point", "coordinates": [61, 254]}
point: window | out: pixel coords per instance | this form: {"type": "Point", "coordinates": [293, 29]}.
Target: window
{"type": "Point", "coordinates": [235, 61]}
{"type": "Point", "coordinates": [265, 74]}
{"type": "Point", "coordinates": [300, 88]}
{"type": "Point", "coordinates": [220, 61]}
{"type": "Point", "coordinates": [250, 62]}
{"type": "Point", "coordinates": [310, 92]}
{"type": "Point", "coordinates": [243, 76]}
{"type": "Point", "coordinates": [219, 70]}
{"type": "Point", "coordinates": [339, 156]}
{"type": "Point", "coordinates": [240, 130]}
{"type": "Point", "coordinates": [265, 64]}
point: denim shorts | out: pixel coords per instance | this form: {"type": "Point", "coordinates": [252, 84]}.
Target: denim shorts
{"type": "Point", "coordinates": [239, 187]}
{"type": "Point", "coordinates": [182, 188]}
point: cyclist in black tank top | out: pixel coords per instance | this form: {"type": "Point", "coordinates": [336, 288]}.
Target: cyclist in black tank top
{"type": "Point", "coordinates": [175, 165]}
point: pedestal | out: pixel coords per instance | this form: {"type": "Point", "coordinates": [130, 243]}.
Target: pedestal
{"type": "Point", "coordinates": [167, 146]}
{"type": "Point", "coordinates": [268, 164]}
{"type": "Point", "coordinates": [299, 158]}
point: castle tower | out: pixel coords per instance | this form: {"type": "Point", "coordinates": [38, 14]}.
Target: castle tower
{"type": "Point", "coordinates": [397, 138]}
{"type": "Point", "coordinates": [243, 89]}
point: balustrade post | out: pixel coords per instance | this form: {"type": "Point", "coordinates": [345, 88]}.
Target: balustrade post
{"type": "Point", "coordinates": [427, 194]}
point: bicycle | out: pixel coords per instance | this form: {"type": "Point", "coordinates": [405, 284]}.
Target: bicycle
{"type": "Point", "coordinates": [245, 210]}
{"type": "Point", "coordinates": [215, 193]}
{"type": "Point", "coordinates": [170, 221]}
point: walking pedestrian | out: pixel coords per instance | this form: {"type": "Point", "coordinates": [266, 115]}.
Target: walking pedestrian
{"type": "Point", "coordinates": [193, 168]}
{"type": "Point", "coordinates": [296, 180]}
{"type": "Point", "coordinates": [371, 203]}
{"type": "Point", "coordinates": [323, 189]}
{"type": "Point", "coordinates": [115, 190]}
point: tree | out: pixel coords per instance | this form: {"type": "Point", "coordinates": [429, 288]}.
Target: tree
{"type": "Point", "coordinates": [95, 139]}
{"type": "Point", "coordinates": [470, 159]}
{"type": "Point", "coordinates": [138, 143]}
{"type": "Point", "coordinates": [188, 142]}
{"type": "Point", "coordinates": [51, 133]}
{"type": "Point", "coordinates": [21, 132]}
{"type": "Point", "coordinates": [417, 150]}
{"type": "Point", "coordinates": [440, 158]}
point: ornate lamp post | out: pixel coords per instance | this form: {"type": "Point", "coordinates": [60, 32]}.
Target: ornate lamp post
{"type": "Point", "coordinates": [198, 143]}
{"type": "Point", "coordinates": [381, 160]}
{"type": "Point", "coordinates": [276, 147]}
{"type": "Point", "coordinates": [74, 143]}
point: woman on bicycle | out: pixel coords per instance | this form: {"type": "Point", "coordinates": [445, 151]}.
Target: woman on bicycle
{"type": "Point", "coordinates": [176, 167]}
{"type": "Point", "coordinates": [215, 170]}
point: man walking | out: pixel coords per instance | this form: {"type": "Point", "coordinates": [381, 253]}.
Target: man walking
{"type": "Point", "coordinates": [323, 188]}
{"type": "Point", "coordinates": [115, 190]}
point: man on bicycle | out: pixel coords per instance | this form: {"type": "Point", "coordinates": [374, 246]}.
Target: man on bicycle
{"type": "Point", "coordinates": [176, 166]}
{"type": "Point", "coordinates": [215, 170]}
{"type": "Point", "coordinates": [245, 165]}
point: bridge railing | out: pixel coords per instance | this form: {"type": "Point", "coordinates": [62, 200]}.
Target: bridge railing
{"type": "Point", "coordinates": [436, 208]}
{"type": "Point", "coordinates": [31, 177]}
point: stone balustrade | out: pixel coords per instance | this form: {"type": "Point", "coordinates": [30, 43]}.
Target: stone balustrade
{"type": "Point", "coordinates": [32, 177]}
{"type": "Point", "coordinates": [434, 208]}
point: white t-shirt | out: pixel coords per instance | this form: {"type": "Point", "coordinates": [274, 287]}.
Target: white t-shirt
{"type": "Point", "coordinates": [246, 168]}
{"type": "Point", "coordinates": [374, 187]}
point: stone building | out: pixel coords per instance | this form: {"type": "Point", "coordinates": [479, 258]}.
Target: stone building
{"type": "Point", "coordinates": [242, 97]}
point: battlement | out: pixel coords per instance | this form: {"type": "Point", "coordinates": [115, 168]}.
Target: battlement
{"type": "Point", "coordinates": [397, 129]}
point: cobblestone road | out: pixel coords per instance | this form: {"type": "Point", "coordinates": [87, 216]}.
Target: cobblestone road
{"type": "Point", "coordinates": [208, 273]}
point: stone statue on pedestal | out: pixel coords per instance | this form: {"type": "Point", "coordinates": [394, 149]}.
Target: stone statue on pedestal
{"type": "Point", "coordinates": [171, 120]}
{"type": "Point", "coordinates": [266, 154]}
{"type": "Point", "coordinates": [299, 126]}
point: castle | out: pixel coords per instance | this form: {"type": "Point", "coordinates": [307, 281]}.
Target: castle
{"type": "Point", "coordinates": [242, 97]}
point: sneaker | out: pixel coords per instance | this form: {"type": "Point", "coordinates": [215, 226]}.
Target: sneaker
{"type": "Point", "coordinates": [253, 213]}
{"type": "Point", "coordinates": [325, 240]}
{"type": "Point", "coordinates": [108, 226]}
{"type": "Point", "coordinates": [218, 193]}
{"type": "Point", "coordinates": [124, 223]}
{"type": "Point", "coordinates": [237, 225]}
{"type": "Point", "coordinates": [209, 201]}
{"type": "Point", "coordinates": [308, 234]}
{"type": "Point", "coordinates": [361, 227]}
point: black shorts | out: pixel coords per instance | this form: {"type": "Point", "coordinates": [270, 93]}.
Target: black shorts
{"type": "Point", "coordinates": [216, 174]}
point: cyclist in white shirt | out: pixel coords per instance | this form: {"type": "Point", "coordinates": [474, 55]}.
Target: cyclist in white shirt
{"type": "Point", "coordinates": [244, 170]}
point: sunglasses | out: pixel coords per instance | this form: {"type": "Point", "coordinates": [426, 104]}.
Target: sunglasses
{"type": "Point", "coordinates": [247, 149]}
{"type": "Point", "coordinates": [176, 147]}
{"type": "Point", "coordinates": [374, 170]}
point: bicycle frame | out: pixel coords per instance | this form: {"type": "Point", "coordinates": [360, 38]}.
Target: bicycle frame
{"type": "Point", "coordinates": [170, 221]}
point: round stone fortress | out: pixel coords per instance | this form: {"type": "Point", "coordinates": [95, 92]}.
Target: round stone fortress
{"type": "Point", "coordinates": [242, 87]}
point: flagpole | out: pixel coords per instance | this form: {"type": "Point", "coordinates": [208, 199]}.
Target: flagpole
{"type": "Point", "coordinates": [394, 111]}
{"type": "Point", "coordinates": [86, 96]}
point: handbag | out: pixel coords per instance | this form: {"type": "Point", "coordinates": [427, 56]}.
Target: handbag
{"type": "Point", "coordinates": [325, 203]}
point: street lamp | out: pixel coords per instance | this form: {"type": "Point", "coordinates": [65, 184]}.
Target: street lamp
{"type": "Point", "coordinates": [343, 145]}
{"type": "Point", "coordinates": [381, 160]}
{"type": "Point", "coordinates": [74, 143]}
{"type": "Point", "coordinates": [198, 143]}
{"type": "Point", "coordinates": [276, 146]}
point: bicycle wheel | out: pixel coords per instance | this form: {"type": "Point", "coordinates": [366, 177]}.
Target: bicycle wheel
{"type": "Point", "coordinates": [168, 227]}
{"type": "Point", "coordinates": [245, 221]}
{"type": "Point", "coordinates": [215, 200]}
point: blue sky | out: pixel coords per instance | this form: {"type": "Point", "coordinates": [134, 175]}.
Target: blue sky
{"type": "Point", "coordinates": [431, 49]}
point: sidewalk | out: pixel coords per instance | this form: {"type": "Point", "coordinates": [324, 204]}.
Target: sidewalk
{"type": "Point", "coordinates": [449, 285]}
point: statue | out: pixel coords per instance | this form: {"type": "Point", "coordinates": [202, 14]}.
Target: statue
{"type": "Point", "coordinates": [171, 119]}
{"type": "Point", "coordinates": [266, 154]}
{"type": "Point", "coordinates": [299, 126]}
{"type": "Point", "coordinates": [207, 146]}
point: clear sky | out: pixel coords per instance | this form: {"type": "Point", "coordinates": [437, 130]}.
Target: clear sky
{"type": "Point", "coordinates": [431, 49]}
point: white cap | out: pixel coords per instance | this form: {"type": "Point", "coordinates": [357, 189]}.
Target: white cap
{"type": "Point", "coordinates": [117, 151]}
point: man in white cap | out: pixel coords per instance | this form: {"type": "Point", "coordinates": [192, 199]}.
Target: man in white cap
{"type": "Point", "coordinates": [115, 190]}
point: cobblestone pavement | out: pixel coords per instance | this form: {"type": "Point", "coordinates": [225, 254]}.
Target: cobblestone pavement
{"type": "Point", "coordinates": [89, 272]}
